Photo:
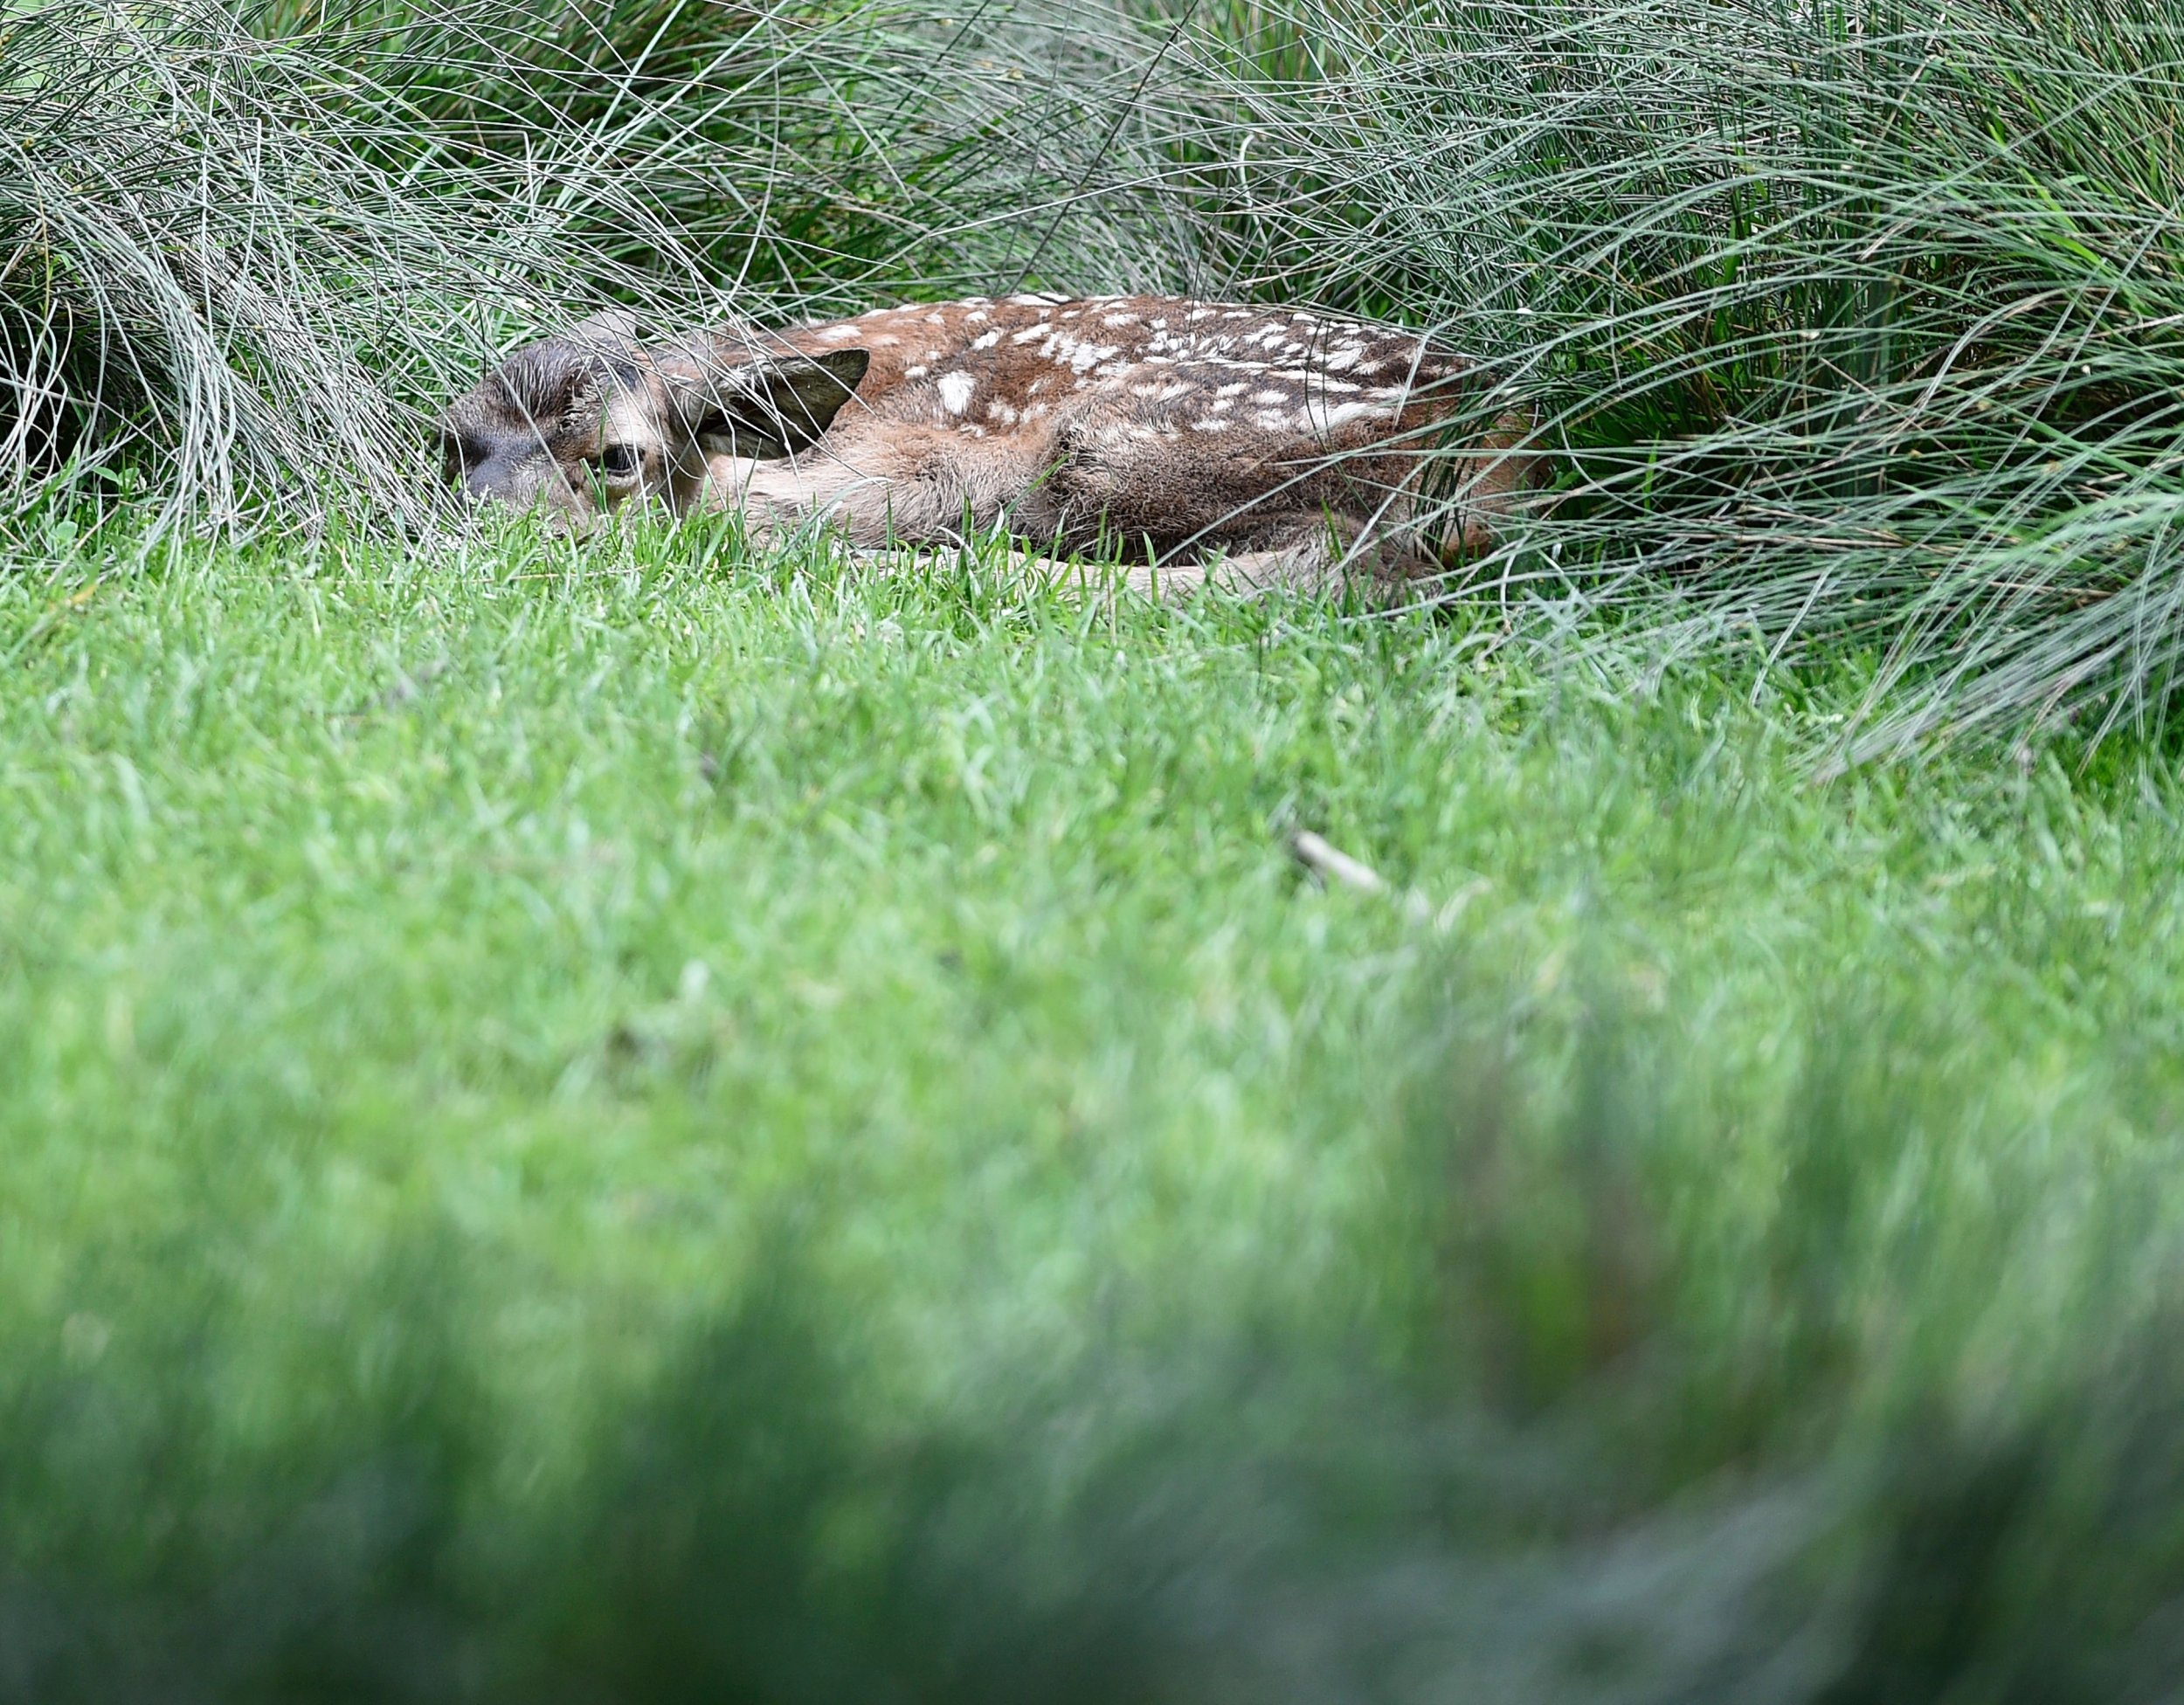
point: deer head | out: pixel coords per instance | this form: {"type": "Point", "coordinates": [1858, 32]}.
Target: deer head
{"type": "Point", "coordinates": [577, 424]}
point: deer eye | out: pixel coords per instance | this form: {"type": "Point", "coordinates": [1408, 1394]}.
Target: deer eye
{"type": "Point", "coordinates": [619, 460]}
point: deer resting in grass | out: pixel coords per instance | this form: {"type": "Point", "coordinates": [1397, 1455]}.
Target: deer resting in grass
{"type": "Point", "coordinates": [1196, 439]}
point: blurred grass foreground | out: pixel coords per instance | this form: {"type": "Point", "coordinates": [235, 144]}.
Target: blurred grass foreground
{"type": "Point", "coordinates": [654, 1125]}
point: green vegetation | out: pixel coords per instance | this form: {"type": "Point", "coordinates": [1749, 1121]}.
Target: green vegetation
{"type": "Point", "coordinates": [776, 1131]}
{"type": "Point", "coordinates": [648, 1125]}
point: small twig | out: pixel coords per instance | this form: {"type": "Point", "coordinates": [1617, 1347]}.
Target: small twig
{"type": "Point", "coordinates": [1332, 864]}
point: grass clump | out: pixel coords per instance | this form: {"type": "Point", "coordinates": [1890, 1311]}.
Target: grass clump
{"type": "Point", "coordinates": [208, 274]}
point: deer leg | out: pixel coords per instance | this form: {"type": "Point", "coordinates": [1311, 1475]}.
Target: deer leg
{"type": "Point", "coordinates": [1322, 555]}
{"type": "Point", "coordinates": [1170, 581]}
{"type": "Point", "coordinates": [1310, 565]}
{"type": "Point", "coordinates": [1167, 581]}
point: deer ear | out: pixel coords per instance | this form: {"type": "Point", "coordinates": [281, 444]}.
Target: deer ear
{"type": "Point", "coordinates": [768, 407]}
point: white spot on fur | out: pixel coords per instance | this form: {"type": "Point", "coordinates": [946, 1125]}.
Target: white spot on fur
{"type": "Point", "coordinates": [1235, 390]}
{"type": "Point", "coordinates": [1212, 425]}
{"type": "Point", "coordinates": [996, 410]}
{"type": "Point", "coordinates": [954, 392]}
{"type": "Point", "coordinates": [1273, 398]}
{"type": "Point", "coordinates": [837, 333]}
{"type": "Point", "coordinates": [915, 372]}
{"type": "Point", "coordinates": [986, 340]}
{"type": "Point", "coordinates": [1119, 319]}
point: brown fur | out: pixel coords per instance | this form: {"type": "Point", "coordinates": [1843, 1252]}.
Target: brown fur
{"type": "Point", "coordinates": [1177, 432]}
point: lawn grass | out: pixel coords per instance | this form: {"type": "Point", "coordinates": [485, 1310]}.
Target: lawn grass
{"type": "Point", "coordinates": [457, 988]}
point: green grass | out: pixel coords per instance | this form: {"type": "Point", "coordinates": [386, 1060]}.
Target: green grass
{"type": "Point", "coordinates": [643, 1126]}
{"type": "Point", "coordinates": [438, 999]}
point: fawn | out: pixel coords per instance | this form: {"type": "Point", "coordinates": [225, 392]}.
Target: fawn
{"type": "Point", "coordinates": [1198, 439]}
